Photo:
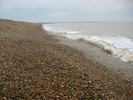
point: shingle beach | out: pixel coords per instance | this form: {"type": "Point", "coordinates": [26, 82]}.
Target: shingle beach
{"type": "Point", "coordinates": [33, 65]}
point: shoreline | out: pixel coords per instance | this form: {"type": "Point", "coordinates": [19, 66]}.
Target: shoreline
{"type": "Point", "coordinates": [99, 55]}
{"type": "Point", "coordinates": [34, 65]}
{"type": "Point", "coordinates": [102, 57]}
{"type": "Point", "coordinates": [109, 37]}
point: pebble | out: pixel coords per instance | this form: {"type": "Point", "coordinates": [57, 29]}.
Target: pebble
{"type": "Point", "coordinates": [34, 66]}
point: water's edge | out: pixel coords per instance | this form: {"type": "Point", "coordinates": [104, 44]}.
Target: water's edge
{"type": "Point", "coordinates": [120, 47]}
{"type": "Point", "coordinates": [96, 54]}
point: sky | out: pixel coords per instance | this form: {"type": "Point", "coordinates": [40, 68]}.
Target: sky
{"type": "Point", "coordinates": [67, 10]}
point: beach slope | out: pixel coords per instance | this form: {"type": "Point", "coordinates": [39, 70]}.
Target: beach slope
{"type": "Point", "coordinates": [33, 65]}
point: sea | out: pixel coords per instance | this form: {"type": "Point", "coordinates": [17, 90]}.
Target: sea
{"type": "Point", "coordinates": [114, 37]}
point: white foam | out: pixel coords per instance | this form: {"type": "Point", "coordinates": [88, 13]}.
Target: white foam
{"type": "Point", "coordinates": [119, 42]}
{"type": "Point", "coordinates": [52, 29]}
{"type": "Point", "coordinates": [120, 47]}
{"type": "Point", "coordinates": [114, 46]}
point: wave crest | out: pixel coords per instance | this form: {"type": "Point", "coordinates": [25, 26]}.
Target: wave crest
{"type": "Point", "coordinates": [120, 47]}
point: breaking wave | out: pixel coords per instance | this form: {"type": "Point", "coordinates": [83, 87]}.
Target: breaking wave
{"type": "Point", "coordinates": [120, 47]}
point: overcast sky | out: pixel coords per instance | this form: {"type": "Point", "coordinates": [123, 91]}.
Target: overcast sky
{"type": "Point", "coordinates": [67, 10]}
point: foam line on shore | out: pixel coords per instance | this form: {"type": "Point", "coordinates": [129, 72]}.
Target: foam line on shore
{"type": "Point", "coordinates": [111, 44]}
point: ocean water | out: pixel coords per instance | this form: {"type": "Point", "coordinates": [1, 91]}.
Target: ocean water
{"type": "Point", "coordinates": [114, 37]}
